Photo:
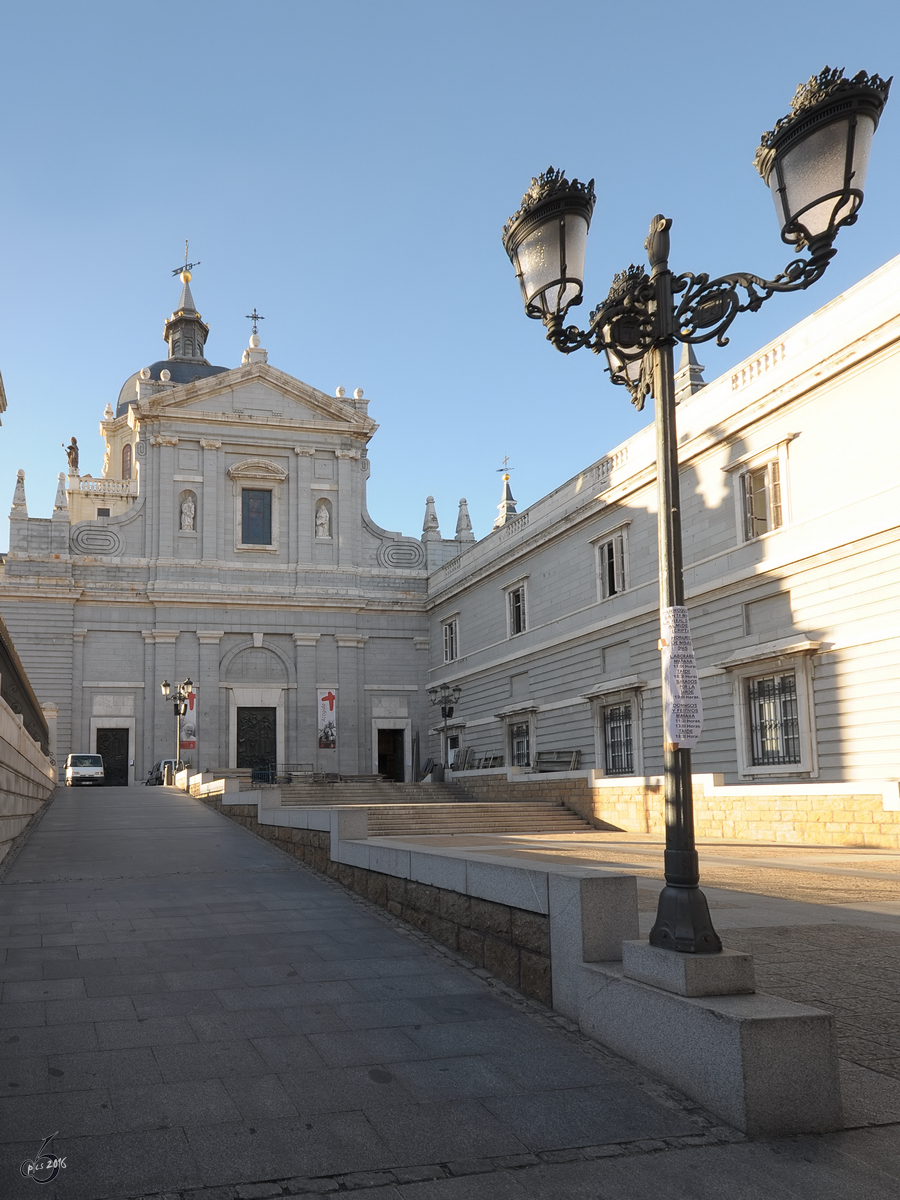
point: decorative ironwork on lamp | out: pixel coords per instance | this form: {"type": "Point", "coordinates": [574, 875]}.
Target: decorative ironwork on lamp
{"type": "Point", "coordinates": [814, 161]}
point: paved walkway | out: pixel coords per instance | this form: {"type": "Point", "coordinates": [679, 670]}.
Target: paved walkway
{"type": "Point", "coordinates": [188, 1011]}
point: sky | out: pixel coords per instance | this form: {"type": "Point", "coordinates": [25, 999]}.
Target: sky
{"type": "Point", "coordinates": [346, 166]}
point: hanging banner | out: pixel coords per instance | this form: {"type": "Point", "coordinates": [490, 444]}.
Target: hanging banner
{"type": "Point", "coordinates": [189, 722]}
{"type": "Point", "coordinates": [327, 723]}
{"type": "Point", "coordinates": [682, 702]}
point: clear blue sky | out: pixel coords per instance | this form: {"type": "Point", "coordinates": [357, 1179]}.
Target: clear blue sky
{"type": "Point", "coordinates": [346, 166]}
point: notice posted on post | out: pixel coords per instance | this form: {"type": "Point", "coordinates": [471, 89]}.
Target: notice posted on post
{"type": "Point", "coordinates": [682, 702]}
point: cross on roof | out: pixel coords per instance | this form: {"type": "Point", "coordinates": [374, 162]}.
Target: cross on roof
{"type": "Point", "coordinates": [505, 466]}
{"type": "Point", "coordinates": [255, 317]}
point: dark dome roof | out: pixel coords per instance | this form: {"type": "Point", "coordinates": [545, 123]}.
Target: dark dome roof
{"type": "Point", "coordinates": [180, 371]}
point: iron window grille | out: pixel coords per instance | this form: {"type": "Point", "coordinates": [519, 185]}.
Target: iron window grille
{"type": "Point", "coordinates": [761, 499]}
{"type": "Point", "coordinates": [774, 720]}
{"type": "Point", "coordinates": [618, 740]}
{"type": "Point", "coordinates": [520, 745]}
{"type": "Point", "coordinates": [516, 611]}
{"type": "Point", "coordinates": [451, 642]}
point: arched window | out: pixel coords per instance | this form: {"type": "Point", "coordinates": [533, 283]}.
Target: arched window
{"type": "Point", "coordinates": [126, 461]}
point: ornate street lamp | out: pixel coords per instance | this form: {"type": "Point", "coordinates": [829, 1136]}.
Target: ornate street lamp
{"type": "Point", "coordinates": [448, 698]}
{"type": "Point", "coordinates": [179, 699]}
{"type": "Point", "coordinates": [814, 161]}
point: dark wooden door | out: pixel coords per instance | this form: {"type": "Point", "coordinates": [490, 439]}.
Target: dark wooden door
{"type": "Point", "coordinates": [112, 746]}
{"type": "Point", "coordinates": [390, 754]}
{"type": "Point", "coordinates": [256, 746]}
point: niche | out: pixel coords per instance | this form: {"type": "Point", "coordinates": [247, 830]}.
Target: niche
{"type": "Point", "coordinates": [187, 512]}
{"type": "Point", "coordinates": [324, 519]}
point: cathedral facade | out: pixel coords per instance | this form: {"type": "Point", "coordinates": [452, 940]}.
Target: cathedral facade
{"type": "Point", "coordinates": [228, 543]}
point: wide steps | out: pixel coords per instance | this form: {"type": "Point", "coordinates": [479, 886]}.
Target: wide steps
{"type": "Point", "coordinates": [426, 820]}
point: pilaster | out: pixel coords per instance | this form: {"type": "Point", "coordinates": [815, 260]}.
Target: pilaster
{"type": "Point", "coordinates": [80, 718]}
{"type": "Point", "coordinates": [208, 745]}
{"type": "Point", "coordinates": [163, 714]}
{"type": "Point", "coordinates": [304, 726]}
{"type": "Point", "coordinates": [210, 521]}
{"type": "Point", "coordinates": [304, 503]}
{"type": "Point", "coordinates": [347, 516]}
{"type": "Point", "coordinates": [165, 512]}
{"type": "Point", "coordinates": [350, 692]}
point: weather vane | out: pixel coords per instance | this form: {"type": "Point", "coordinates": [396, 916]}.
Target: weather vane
{"type": "Point", "coordinates": [186, 267]}
{"type": "Point", "coordinates": [506, 468]}
{"type": "Point", "coordinates": [255, 317]}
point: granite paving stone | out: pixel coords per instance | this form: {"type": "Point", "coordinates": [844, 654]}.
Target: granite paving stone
{"type": "Point", "coordinates": [245, 1023]}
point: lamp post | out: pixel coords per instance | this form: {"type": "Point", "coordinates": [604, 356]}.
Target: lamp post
{"type": "Point", "coordinates": [179, 699]}
{"type": "Point", "coordinates": [447, 697]}
{"type": "Point", "coordinates": [814, 161]}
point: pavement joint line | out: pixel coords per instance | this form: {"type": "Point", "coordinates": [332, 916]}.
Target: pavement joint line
{"type": "Point", "coordinates": [662, 1092]}
{"type": "Point", "coordinates": [350, 1181]}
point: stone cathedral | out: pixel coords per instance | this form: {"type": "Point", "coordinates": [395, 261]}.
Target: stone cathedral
{"type": "Point", "coordinates": [228, 542]}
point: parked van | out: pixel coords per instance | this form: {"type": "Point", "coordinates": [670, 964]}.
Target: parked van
{"type": "Point", "coordinates": [158, 771]}
{"type": "Point", "coordinates": [84, 768]}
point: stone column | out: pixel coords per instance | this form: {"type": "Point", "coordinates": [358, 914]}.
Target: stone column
{"type": "Point", "coordinates": [164, 668]}
{"type": "Point", "coordinates": [305, 517]}
{"type": "Point", "coordinates": [165, 513]}
{"type": "Point", "coordinates": [349, 707]}
{"type": "Point", "coordinates": [81, 727]}
{"type": "Point", "coordinates": [210, 519]}
{"type": "Point", "coordinates": [347, 516]}
{"type": "Point", "coordinates": [304, 735]}
{"type": "Point", "coordinates": [208, 747]}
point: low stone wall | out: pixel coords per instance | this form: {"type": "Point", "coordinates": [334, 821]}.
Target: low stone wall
{"type": "Point", "coordinates": [511, 943]}
{"type": "Point", "coordinates": [27, 777]}
{"type": "Point", "coordinates": [817, 814]}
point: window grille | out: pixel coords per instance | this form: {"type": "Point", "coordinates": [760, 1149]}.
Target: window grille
{"type": "Point", "coordinates": [450, 642]}
{"type": "Point", "coordinates": [516, 611]}
{"type": "Point", "coordinates": [762, 499]}
{"type": "Point", "coordinates": [520, 742]}
{"type": "Point", "coordinates": [774, 720]}
{"type": "Point", "coordinates": [617, 737]}
{"type": "Point", "coordinates": [612, 566]}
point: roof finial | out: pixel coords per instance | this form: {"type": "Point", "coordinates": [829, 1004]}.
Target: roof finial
{"type": "Point", "coordinates": [464, 523]}
{"type": "Point", "coordinates": [255, 317]}
{"type": "Point", "coordinates": [431, 530]}
{"type": "Point", "coordinates": [507, 505]}
{"type": "Point", "coordinates": [185, 270]}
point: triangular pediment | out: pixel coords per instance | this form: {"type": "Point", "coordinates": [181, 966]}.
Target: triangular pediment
{"type": "Point", "coordinates": [261, 391]}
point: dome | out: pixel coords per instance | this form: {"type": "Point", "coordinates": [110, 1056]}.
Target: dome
{"type": "Point", "coordinates": [180, 372]}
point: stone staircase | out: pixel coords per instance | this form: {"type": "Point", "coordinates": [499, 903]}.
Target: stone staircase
{"type": "Point", "coordinates": [327, 794]}
{"type": "Point", "coordinates": [407, 820]}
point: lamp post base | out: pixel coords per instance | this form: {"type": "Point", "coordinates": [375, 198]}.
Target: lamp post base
{"type": "Point", "coordinates": [683, 922]}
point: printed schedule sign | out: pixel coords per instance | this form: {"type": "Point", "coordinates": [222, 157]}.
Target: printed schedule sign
{"type": "Point", "coordinates": [327, 722]}
{"type": "Point", "coordinates": [682, 702]}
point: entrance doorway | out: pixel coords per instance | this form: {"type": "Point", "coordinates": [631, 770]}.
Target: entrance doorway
{"type": "Point", "coordinates": [256, 740]}
{"type": "Point", "coordinates": [112, 746]}
{"type": "Point", "coordinates": [390, 755]}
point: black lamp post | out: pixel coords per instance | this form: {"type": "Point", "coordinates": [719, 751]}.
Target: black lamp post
{"type": "Point", "coordinates": [447, 697]}
{"type": "Point", "coordinates": [179, 699]}
{"type": "Point", "coordinates": [815, 162]}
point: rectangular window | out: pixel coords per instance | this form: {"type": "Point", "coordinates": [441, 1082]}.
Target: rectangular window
{"type": "Point", "coordinates": [618, 740]}
{"type": "Point", "coordinates": [611, 562]}
{"type": "Point", "coordinates": [774, 720]}
{"type": "Point", "coordinates": [516, 601]}
{"type": "Point", "coordinates": [451, 642]}
{"type": "Point", "coordinates": [520, 745]}
{"type": "Point", "coordinates": [761, 499]}
{"type": "Point", "coordinates": [256, 517]}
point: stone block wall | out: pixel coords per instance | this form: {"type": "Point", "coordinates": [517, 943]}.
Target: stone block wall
{"type": "Point", "coordinates": [817, 817]}
{"type": "Point", "coordinates": [27, 777]}
{"type": "Point", "coordinates": [511, 943]}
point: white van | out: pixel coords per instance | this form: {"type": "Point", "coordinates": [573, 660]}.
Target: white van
{"type": "Point", "coordinates": [84, 768]}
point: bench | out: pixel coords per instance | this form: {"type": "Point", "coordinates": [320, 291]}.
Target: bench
{"type": "Point", "coordinates": [556, 760]}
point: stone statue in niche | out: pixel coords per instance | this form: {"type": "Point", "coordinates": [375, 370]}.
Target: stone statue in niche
{"type": "Point", "coordinates": [72, 456]}
{"type": "Point", "coordinates": [188, 511]}
{"type": "Point", "coordinates": [323, 520]}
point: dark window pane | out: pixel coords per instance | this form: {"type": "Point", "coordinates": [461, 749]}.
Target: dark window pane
{"type": "Point", "coordinates": [256, 517]}
{"type": "Point", "coordinates": [774, 721]}
{"type": "Point", "coordinates": [618, 739]}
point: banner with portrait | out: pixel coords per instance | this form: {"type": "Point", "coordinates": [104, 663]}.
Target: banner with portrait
{"type": "Point", "coordinates": [190, 721]}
